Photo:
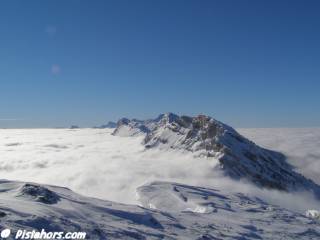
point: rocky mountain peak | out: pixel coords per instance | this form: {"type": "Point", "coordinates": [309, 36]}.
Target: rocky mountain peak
{"type": "Point", "coordinates": [166, 118]}
{"type": "Point", "coordinates": [239, 157]}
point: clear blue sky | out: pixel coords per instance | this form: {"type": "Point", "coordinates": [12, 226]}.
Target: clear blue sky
{"type": "Point", "coordinates": [247, 63]}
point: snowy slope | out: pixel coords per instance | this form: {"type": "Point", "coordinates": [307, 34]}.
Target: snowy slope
{"type": "Point", "coordinates": [172, 211]}
{"type": "Point", "coordinates": [239, 157]}
{"type": "Point", "coordinates": [31, 206]}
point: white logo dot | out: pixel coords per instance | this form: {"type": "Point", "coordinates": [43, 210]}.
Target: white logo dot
{"type": "Point", "coordinates": [5, 233]}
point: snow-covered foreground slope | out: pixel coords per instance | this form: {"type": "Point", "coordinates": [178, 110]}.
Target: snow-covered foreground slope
{"type": "Point", "coordinates": [172, 211]}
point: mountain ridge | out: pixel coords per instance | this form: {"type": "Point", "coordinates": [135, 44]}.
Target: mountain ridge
{"type": "Point", "coordinates": [238, 157]}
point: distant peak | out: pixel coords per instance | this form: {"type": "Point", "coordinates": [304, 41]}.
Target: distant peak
{"type": "Point", "coordinates": [167, 117]}
{"type": "Point", "coordinates": [110, 124]}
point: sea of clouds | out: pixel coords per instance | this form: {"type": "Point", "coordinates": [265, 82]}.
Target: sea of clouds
{"type": "Point", "coordinates": [95, 163]}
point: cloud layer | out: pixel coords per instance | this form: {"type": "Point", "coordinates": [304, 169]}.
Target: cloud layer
{"type": "Point", "coordinates": [95, 163]}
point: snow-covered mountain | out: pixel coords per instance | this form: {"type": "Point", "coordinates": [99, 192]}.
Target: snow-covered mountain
{"type": "Point", "coordinates": [239, 157]}
{"type": "Point", "coordinates": [168, 211]}
{"type": "Point", "coordinates": [108, 125]}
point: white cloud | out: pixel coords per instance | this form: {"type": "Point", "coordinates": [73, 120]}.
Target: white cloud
{"type": "Point", "coordinates": [93, 162]}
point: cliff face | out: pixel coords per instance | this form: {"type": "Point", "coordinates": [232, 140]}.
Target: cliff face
{"type": "Point", "coordinates": [239, 158]}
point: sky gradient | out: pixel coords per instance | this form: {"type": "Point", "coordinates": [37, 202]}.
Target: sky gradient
{"type": "Point", "coordinates": [247, 63]}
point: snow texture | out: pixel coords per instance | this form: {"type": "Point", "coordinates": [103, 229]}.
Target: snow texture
{"type": "Point", "coordinates": [170, 211]}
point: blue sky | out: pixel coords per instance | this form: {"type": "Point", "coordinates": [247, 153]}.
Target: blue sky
{"type": "Point", "coordinates": [247, 63]}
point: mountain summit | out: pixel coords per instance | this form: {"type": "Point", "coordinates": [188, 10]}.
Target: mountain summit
{"type": "Point", "coordinates": [239, 157]}
{"type": "Point", "coordinates": [108, 125]}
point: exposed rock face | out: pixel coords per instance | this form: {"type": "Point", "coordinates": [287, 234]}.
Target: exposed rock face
{"type": "Point", "coordinates": [39, 193]}
{"type": "Point", "coordinates": [205, 136]}
{"type": "Point", "coordinates": [130, 128]}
